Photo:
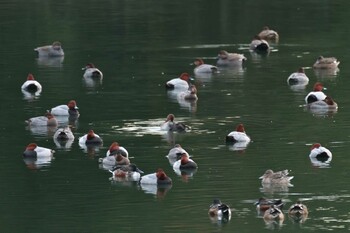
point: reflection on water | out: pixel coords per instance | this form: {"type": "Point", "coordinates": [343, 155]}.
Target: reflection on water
{"type": "Point", "coordinates": [50, 61]}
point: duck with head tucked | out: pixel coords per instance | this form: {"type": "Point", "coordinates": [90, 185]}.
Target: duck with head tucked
{"type": "Point", "coordinates": [189, 95]}
{"type": "Point", "coordinates": [129, 172]}
{"type": "Point", "coordinates": [47, 120]}
{"type": "Point", "coordinates": [54, 50]}
{"type": "Point", "coordinates": [202, 68]}
{"type": "Point", "coordinates": [230, 59]}
{"type": "Point", "coordinates": [115, 148]}
{"type": "Point", "coordinates": [35, 151]}
{"type": "Point", "coordinates": [92, 72]}
{"type": "Point", "coordinates": [259, 45]}
{"type": "Point", "coordinates": [180, 83]}
{"type": "Point", "coordinates": [273, 214]}
{"type": "Point", "coordinates": [172, 126]}
{"type": "Point", "coordinates": [326, 63]}
{"type": "Point", "coordinates": [264, 204]}
{"type": "Point", "coordinates": [219, 211]}
{"type": "Point", "coordinates": [269, 34]}
{"type": "Point", "coordinates": [278, 178]}
{"type": "Point", "coordinates": [298, 78]}
{"type": "Point", "coordinates": [31, 85]}
{"type": "Point", "coordinates": [185, 163]}
{"type": "Point", "coordinates": [298, 212]}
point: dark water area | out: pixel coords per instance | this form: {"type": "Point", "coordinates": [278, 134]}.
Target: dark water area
{"type": "Point", "coordinates": [139, 46]}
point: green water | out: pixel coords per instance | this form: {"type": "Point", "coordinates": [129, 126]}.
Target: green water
{"type": "Point", "coordinates": [139, 46]}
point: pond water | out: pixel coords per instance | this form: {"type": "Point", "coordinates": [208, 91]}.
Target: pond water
{"type": "Point", "coordinates": [139, 46]}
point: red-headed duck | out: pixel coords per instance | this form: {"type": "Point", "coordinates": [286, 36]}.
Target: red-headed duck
{"type": "Point", "coordinates": [201, 67]}
{"type": "Point", "coordinates": [92, 72]}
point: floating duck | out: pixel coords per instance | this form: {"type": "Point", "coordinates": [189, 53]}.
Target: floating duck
{"type": "Point", "coordinates": [180, 83]}
{"type": "Point", "coordinates": [316, 94]}
{"type": "Point", "coordinates": [54, 50]}
{"type": "Point", "coordinates": [31, 85]}
{"type": "Point", "coordinates": [230, 59]}
{"type": "Point", "coordinates": [259, 45]}
{"type": "Point", "coordinates": [269, 34]}
{"type": "Point", "coordinates": [298, 78]}
{"type": "Point", "coordinates": [264, 204]}
{"type": "Point", "coordinates": [280, 177]}
{"type": "Point", "coordinates": [326, 63]}
{"type": "Point", "coordinates": [47, 120]}
{"type": "Point", "coordinates": [219, 211]}
{"type": "Point", "coordinates": [92, 72]}
{"type": "Point", "coordinates": [298, 212]}
{"type": "Point", "coordinates": [170, 125]}
{"type": "Point", "coordinates": [201, 67]}
{"type": "Point", "coordinates": [238, 135]}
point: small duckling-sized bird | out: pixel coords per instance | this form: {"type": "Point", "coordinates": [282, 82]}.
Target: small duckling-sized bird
{"type": "Point", "coordinates": [264, 204]}
{"type": "Point", "coordinates": [273, 214]}
{"type": "Point", "coordinates": [280, 177]}
{"type": "Point", "coordinates": [171, 125]}
{"type": "Point", "coordinates": [259, 45]}
{"type": "Point", "coordinates": [298, 77]}
{"type": "Point", "coordinates": [298, 212]}
{"type": "Point", "coordinates": [54, 50]}
{"type": "Point", "coordinates": [201, 67]}
{"type": "Point", "coordinates": [219, 211]}
{"type": "Point", "coordinates": [31, 85]}
{"type": "Point", "coordinates": [326, 63]}
{"type": "Point", "coordinates": [269, 34]}
{"type": "Point", "coordinates": [230, 59]}
{"type": "Point", "coordinates": [92, 72]}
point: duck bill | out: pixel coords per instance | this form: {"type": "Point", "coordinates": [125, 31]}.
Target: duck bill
{"type": "Point", "coordinates": [139, 171]}
{"type": "Point", "coordinates": [261, 177]}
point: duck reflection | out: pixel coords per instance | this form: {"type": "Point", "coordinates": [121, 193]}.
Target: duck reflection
{"type": "Point", "coordinates": [46, 61]}
{"type": "Point", "coordinates": [326, 73]}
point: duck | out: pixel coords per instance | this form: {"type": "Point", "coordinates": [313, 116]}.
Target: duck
{"type": "Point", "coordinates": [31, 85]}
{"type": "Point", "coordinates": [320, 153]}
{"type": "Point", "coordinates": [110, 162]}
{"type": "Point", "coordinates": [189, 95]}
{"type": "Point", "coordinates": [317, 94]}
{"type": "Point", "coordinates": [158, 178]}
{"type": "Point", "coordinates": [298, 211]}
{"type": "Point", "coordinates": [90, 139]}
{"type": "Point", "coordinates": [230, 59]}
{"type": "Point", "coordinates": [115, 148]}
{"type": "Point", "coordinates": [239, 135]}
{"type": "Point", "coordinates": [63, 134]}
{"type": "Point", "coordinates": [180, 83]}
{"type": "Point", "coordinates": [219, 210]}
{"type": "Point", "coordinates": [47, 120]}
{"type": "Point", "coordinates": [170, 125]}
{"type": "Point", "coordinates": [326, 63]}
{"type": "Point", "coordinates": [176, 152]}
{"type": "Point", "coordinates": [92, 72]}
{"type": "Point", "coordinates": [273, 214]}
{"type": "Point", "coordinates": [185, 163]}
{"type": "Point", "coordinates": [264, 204]}
{"type": "Point", "coordinates": [280, 177]}
{"type": "Point", "coordinates": [54, 50]}
{"type": "Point", "coordinates": [201, 67]}
{"type": "Point", "coordinates": [34, 151]}
{"type": "Point", "coordinates": [130, 171]}
{"type": "Point", "coordinates": [328, 104]}
{"type": "Point", "coordinates": [298, 77]}
{"type": "Point", "coordinates": [269, 34]}
{"type": "Point", "coordinates": [259, 45]}
{"type": "Point", "coordinates": [71, 109]}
